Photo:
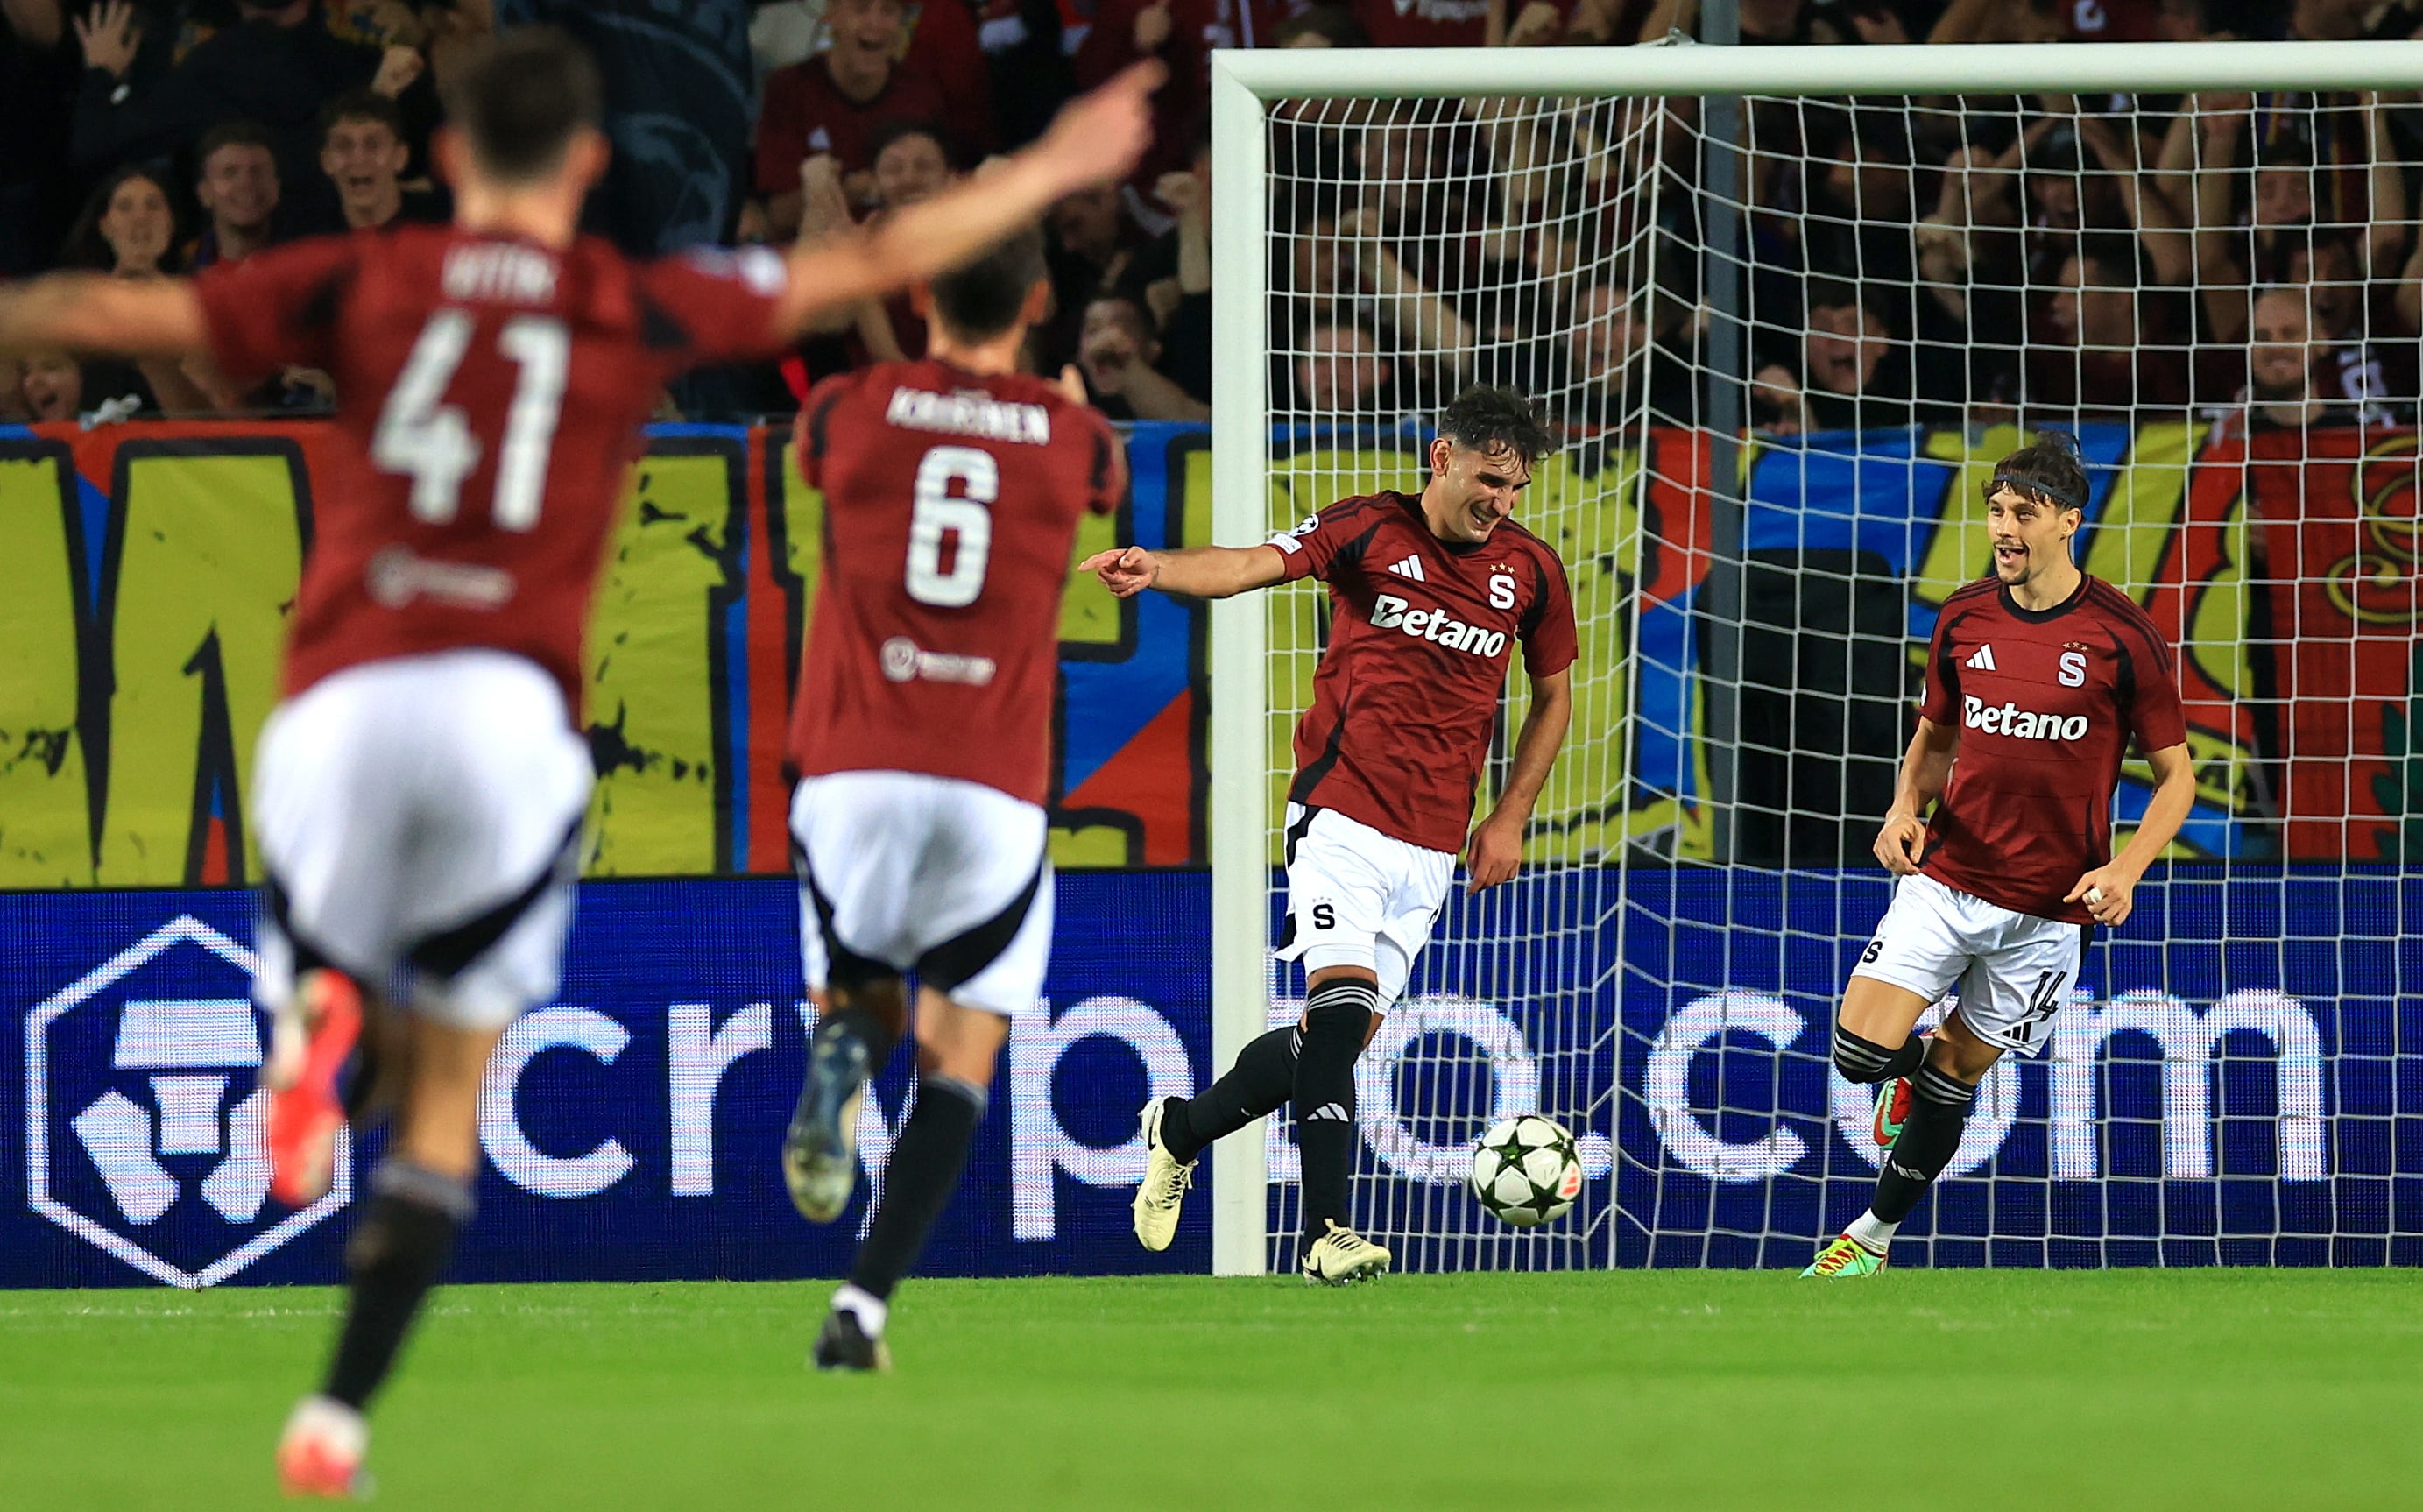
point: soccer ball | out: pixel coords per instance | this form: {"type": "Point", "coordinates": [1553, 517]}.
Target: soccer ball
{"type": "Point", "coordinates": [1526, 1171]}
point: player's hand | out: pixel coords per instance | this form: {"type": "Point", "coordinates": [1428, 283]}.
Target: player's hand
{"type": "Point", "coordinates": [1126, 572]}
{"type": "Point", "coordinates": [1900, 843]}
{"type": "Point", "coordinates": [2105, 891]}
{"type": "Point", "coordinates": [1072, 384]}
{"type": "Point", "coordinates": [1099, 138]}
{"type": "Point", "coordinates": [1181, 191]}
{"type": "Point", "coordinates": [1495, 853]}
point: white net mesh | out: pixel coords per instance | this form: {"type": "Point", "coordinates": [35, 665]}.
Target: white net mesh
{"type": "Point", "coordinates": [2212, 294]}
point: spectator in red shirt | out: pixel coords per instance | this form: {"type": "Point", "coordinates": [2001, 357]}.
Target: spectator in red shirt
{"type": "Point", "coordinates": [238, 189]}
{"type": "Point", "coordinates": [1424, 22]}
{"type": "Point", "coordinates": [833, 103]}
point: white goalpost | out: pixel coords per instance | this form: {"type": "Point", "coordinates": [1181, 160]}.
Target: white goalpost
{"type": "Point", "coordinates": [1788, 306]}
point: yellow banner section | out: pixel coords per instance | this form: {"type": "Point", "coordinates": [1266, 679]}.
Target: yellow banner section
{"type": "Point", "coordinates": [45, 808]}
{"type": "Point", "coordinates": [658, 663]}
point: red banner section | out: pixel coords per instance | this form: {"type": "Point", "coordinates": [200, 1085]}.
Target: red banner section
{"type": "Point", "coordinates": [2342, 529]}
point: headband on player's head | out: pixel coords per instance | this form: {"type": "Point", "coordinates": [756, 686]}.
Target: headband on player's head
{"type": "Point", "coordinates": [2061, 441]}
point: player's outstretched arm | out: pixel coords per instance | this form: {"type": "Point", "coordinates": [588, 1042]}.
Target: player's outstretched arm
{"type": "Point", "coordinates": [1096, 138]}
{"type": "Point", "coordinates": [1495, 853]}
{"type": "Point", "coordinates": [1197, 571]}
{"type": "Point", "coordinates": [1925, 766]}
{"type": "Point", "coordinates": [95, 313]}
{"type": "Point", "coordinates": [2107, 890]}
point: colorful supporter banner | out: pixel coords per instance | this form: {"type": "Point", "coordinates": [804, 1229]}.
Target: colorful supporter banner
{"type": "Point", "coordinates": [145, 573]}
{"type": "Point", "coordinates": [2340, 519]}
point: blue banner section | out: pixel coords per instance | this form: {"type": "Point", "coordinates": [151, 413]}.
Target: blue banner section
{"type": "Point", "coordinates": [2237, 1081]}
{"type": "Point", "coordinates": [630, 1128]}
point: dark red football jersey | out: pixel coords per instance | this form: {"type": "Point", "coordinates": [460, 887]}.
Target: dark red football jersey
{"type": "Point", "coordinates": [489, 397]}
{"type": "Point", "coordinates": [1406, 696]}
{"type": "Point", "coordinates": [2044, 703]}
{"type": "Point", "coordinates": [951, 507]}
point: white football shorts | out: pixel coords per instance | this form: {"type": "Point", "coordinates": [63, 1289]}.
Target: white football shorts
{"type": "Point", "coordinates": [423, 813]}
{"type": "Point", "coordinates": [1358, 898]}
{"type": "Point", "coordinates": [904, 871]}
{"type": "Point", "coordinates": [2014, 971]}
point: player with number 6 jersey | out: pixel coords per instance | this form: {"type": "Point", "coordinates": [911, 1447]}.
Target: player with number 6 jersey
{"type": "Point", "coordinates": [2039, 679]}
{"type": "Point", "coordinates": [953, 488]}
{"type": "Point", "coordinates": [417, 796]}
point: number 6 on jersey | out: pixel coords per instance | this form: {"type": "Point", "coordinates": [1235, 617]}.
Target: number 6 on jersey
{"type": "Point", "coordinates": [967, 513]}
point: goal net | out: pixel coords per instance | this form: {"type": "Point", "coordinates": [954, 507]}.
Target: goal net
{"type": "Point", "coordinates": [1786, 336]}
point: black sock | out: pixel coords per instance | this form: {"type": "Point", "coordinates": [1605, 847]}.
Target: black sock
{"type": "Point", "coordinates": [1939, 1108]}
{"type": "Point", "coordinates": [1258, 1084]}
{"type": "Point", "coordinates": [918, 1182]}
{"type": "Point", "coordinates": [1866, 1061]}
{"type": "Point", "coordinates": [1336, 1016]}
{"type": "Point", "coordinates": [396, 1255]}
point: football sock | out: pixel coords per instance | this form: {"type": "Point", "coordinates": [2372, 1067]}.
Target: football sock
{"type": "Point", "coordinates": [1258, 1084]}
{"type": "Point", "coordinates": [870, 1311]}
{"type": "Point", "coordinates": [918, 1182]}
{"type": "Point", "coordinates": [1939, 1108]}
{"type": "Point", "coordinates": [1865, 1061]}
{"type": "Point", "coordinates": [395, 1256]}
{"type": "Point", "coordinates": [1873, 1231]}
{"type": "Point", "coordinates": [1336, 1017]}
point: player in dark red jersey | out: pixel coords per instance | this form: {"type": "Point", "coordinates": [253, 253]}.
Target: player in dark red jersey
{"type": "Point", "coordinates": [2038, 679]}
{"type": "Point", "coordinates": [953, 488]}
{"type": "Point", "coordinates": [1429, 593]}
{"type": "Point", "coordinates": [419, 793]}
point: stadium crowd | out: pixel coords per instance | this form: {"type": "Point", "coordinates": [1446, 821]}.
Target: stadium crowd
{"type": "Point", "coordinates": [2247, 259]}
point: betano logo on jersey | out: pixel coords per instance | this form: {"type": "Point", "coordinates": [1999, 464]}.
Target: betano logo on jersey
{"type": "Point", "coordinates": [2020, 724]}
{"type": "Point", "coordinates": [1390, 613]}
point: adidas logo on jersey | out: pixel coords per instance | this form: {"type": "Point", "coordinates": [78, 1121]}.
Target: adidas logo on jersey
{"type": "Point", "coordinates": [1983, 661]}
{"type": "Point", "coordinates": [1390, 613]}
{"type": "Point", "coordinates": [1327, 1110]}
{"type": "Point", "coordinates": [1410, 567]}
{"type": "Point", "coordinates": [2020, 724]}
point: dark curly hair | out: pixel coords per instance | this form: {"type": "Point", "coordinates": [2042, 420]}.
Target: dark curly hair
{"type": "Point", "coordinates": [2049, 466]}
{"type": "Point", "coordinates": [1487, 416]}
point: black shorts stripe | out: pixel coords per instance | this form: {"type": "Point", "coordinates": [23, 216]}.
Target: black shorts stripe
{"type": "Point", "coordinates": [308, 957]}
{"type": "Point", "coordinates": [963, 957]}
{"type": "Point", "coordinates": [448, 952]}
{"type": "Point", "coordinates": [844, 968]}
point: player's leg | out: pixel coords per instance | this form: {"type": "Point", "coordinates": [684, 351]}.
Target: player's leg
{"type": "Point", "coordinates": [1355, 981]}
{"type": "Point", "coordinates": [975, 916]}
{"type": "Point", "coordinates": [854, 848]}
{"type": "Point", "coordinates": [1178, 1130]}
{"type": "Point", "coordinates": [331, 815]}
{"type": "Point", "coordinates": [2017, 982]}
{"type": "Point", "coordinates": [496, 784]}
{"type": "Point", "coordinates": [958, 1046]}
{"type": "Point", "coordinates": [1920, 949]}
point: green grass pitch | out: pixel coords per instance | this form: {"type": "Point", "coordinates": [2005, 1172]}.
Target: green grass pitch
{"type": "Point", "coordinates": [2131, 1390]}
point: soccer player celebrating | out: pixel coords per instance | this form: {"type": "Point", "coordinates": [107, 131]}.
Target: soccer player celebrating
{"type": "Point", "coordinates": [419, 791]}
{"type": "Point", "coordinates": [953, 488]}
{"type": "Point", "coordinates": [1427, 593]}
{"type": "Point", "coordinates": [2038, 679]}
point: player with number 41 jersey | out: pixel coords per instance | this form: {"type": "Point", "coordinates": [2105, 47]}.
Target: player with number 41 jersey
{"type": "Point", "coordinates": [417, 796]}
